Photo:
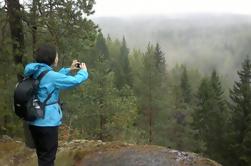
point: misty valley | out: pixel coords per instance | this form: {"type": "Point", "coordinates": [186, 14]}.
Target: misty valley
{"type": "Point", "coordinates": [182, 82]}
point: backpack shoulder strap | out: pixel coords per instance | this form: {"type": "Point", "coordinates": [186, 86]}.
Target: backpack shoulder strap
{"type": "Point", "coordinates": [42, 74]}
{"type": "Point", "coordinates": [48, 97]}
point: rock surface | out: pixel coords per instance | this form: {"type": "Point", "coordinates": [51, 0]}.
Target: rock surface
{"type": "Point", "coordinates": [98, 153]}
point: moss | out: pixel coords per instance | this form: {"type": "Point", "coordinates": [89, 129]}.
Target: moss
{"type": "Point", "coordinates": [9, 147]}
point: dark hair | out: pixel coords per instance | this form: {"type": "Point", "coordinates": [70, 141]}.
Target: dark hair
{"type": "Point", "coordinates": [46, 54]}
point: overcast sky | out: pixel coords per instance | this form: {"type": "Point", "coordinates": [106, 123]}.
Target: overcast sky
{"type": "Point", "coordinates": [150, 7]}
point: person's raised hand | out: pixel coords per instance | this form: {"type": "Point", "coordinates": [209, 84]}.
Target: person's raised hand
{"type": "Point", "coordinates": [83, 66]}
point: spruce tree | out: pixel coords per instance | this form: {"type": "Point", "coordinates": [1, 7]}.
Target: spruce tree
{"type": "Point", "coordinates": [200, 115]}
{"type": "Point", "coordinates": [216, 84]}
{"type": "Point", "coordinates": [160, 59]}
{"type": "Point", "coordinates": [125, 62]}
{"type": "Point", "coordinates": [101, 46]}
{"type": "Point", "coordinates": [217, 149]}
{"type": "Point", "coordinates": [185, 86]}
{"type": "Point", "coordinates": [150, 90]}
{"type": "Point", "coordinates": [148, 77]}
{"type": "Point", "coordinates": [209, 118]}
{"type": "Point", "coordinates": [121, 66]}
{"type": "Point", "coordinates": [241, 116]}
{"type": "Point", "coordinates": [103, 83]}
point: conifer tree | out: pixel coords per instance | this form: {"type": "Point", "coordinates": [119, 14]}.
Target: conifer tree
{"type": "Point", "coordinates": [103, 81]}
{"type": "Point", "coordinates": [173, 121]}
{"type": "Point", "coordinates": [185, 86]}
{"type": "Point", "coordinates": [150, 91]}
{"type": "Point", "coordinates": [160, 59]}
{"type": "Point", "coordinates": [241, 116]}
{"type": "Point", "coordinates": [201, 114]}
{"type": "Point", "coordinates": [216, 84]}
{"type": "Point", "coordinates": [217, 149]}
{"type": "Point", "coordinates": [209, 117]}
{"type": "Point", "coordinates": [123, 70]}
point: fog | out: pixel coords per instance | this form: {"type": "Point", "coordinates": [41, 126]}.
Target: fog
{"type": "Point", "coordinates": [203, 41]}
{"type": "Point", "coordinates": [167, 7]}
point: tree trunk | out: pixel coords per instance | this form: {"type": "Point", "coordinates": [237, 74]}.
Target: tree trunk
{"type": "Point", "coordinates": [16, 29]}
{"type": "Point", "coordinates": [34, 25]}
{"type": "Point", "coordinates": [101, 126]}
{"type": "Point", "coordinates": [150, 109]}
{"type": "Point", "coordinates": [150, 127]}
{"type": "Point", "coordinates": [17, 35]}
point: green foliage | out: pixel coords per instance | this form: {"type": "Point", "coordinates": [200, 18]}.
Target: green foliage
{"type": "Point", "coordinates": [121, 65]}
{"type": "Point", "coordinates": [241, 116]}
{"type": "Point", "coordinates": [177, 116]}
{"type": "Point", "coordinates": [185, 86]}
{"type": "Point", "coordinates": [61, 23]}
{"type": "Point", "coordinates": [104, 112]}
{"type": "Point", "coordinates": [122, 123]}
{"type": "Point", "coordinates": [160, 59]}
{"type": "Point", "coordinates": [129, 96]}
{"type": "Point", "coordinates": [9, 124]}
{"type": "Point", "coordinates": [195, 41]}
{"type": "Point", "coordinates": [210, 118]}
{"type": "Point", "coordinates": [149, 86]}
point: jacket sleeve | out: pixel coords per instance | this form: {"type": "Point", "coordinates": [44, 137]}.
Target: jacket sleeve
{"type": "Point", "coordinates": [63, 81]}
{"type": "Point", "coordinates": [65, 70]}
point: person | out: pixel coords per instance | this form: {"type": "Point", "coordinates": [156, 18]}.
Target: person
{"type": "Point", "coordinates": [44, 131]}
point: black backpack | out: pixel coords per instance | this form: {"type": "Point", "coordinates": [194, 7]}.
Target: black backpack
{"type": "Point", "coordinates": [26, 103]}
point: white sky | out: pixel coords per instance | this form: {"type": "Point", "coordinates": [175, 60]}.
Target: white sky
{"type": "Point", "coordinates": [146, 7]}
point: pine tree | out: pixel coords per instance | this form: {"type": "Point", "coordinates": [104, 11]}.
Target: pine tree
{"type": "Point", "coordinates": [148, 77]}
{"type": "Point", "coordinates": [104, 84]}
{"type": "Point", "coordinates": [201, 114]}
{"type": "Point", "coordinates": [216, 84]}
{"type": "Point", "coordinates": [122, 70]}
{"type": "Point", "coordinates": [241, 116]}
{"type": "Point", "coordinates": [217, 150]}
{"type": "Point", "coordinates": [150, 90]}
{"type": "Point", "coordinates": [160, 59]}
{"type": "Point", "coordinates": [101, 47]}
{"type": "Point", "coordinates": [209, 118]}
{"type": "Point", "coordinates": [172, 121]}
{"type": "Point", "coordinates": [185, 86]}
{"type": "Point", "coordinates": [109, 39]}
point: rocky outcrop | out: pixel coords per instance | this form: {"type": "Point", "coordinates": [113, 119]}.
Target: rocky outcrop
{"type": "Point", "coordinates": [98, 153]}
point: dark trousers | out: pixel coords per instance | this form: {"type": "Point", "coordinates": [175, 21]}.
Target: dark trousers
{"type": "Point", "coordinates": [46, 143]}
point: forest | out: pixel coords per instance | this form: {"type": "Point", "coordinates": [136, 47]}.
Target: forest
{"type": "Point", "coordinates": [131, 95]}
{"type": "Point", "coordinates": [201, 41]}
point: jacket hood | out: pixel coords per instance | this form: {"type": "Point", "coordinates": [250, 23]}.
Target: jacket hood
{"type": "Point", "coordinates": [35, 69]}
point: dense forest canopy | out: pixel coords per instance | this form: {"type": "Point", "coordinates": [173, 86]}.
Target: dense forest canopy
{"type": "Point", "coordinates": [204, 41]}
{"type": "Point", "coordinates": [172, 89]}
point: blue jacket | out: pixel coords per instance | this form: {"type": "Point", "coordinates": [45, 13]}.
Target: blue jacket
{"type": "Point", "coordinates": [53, 80]}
